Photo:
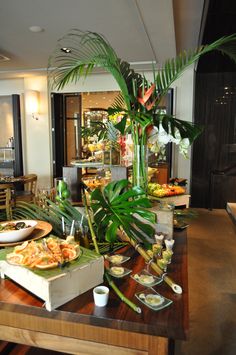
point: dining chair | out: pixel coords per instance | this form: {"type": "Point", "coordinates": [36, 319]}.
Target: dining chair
{"type": "Point", "coordinates": [5, 200]}
{"type": "Point", "coordinates": [29, 192]}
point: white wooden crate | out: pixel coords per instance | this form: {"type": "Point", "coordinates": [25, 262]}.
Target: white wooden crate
{"type": "Point", "coordinates": [68, 283]}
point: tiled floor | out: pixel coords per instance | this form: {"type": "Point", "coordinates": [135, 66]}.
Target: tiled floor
{"type": "Point", "coordinates": [212, 285]}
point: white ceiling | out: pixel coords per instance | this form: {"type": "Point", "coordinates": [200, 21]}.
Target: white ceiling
{"type": "Point", "coordinates": [139, 30]}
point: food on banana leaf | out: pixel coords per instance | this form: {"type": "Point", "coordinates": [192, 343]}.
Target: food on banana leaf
{"type": "Point", "coordinates": [46, 254]}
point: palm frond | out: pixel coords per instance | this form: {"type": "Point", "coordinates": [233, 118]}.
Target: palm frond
{"type": "Point", "coordinates": [112, 133]}
{"type": "Point", "coordinates": [119, 102]}
{"type": "Point", "coordinates": [52, 214]}
{"type": "Point", "coordinates": [174, 68]}
{"type": "Point", "coordinates": [97, 128]}
{"type": "Point", "coordinates": [88, 50]}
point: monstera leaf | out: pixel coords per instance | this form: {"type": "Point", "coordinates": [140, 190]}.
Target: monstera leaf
{"type": "Point", "coordinates": [116, 207]}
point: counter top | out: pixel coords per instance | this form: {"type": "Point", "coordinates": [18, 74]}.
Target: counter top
{"type": "Point", "coordinates": [22, 310]}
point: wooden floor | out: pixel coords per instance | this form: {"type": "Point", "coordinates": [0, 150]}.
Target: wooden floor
{"type": "Point", "coordinates": [212, 289]}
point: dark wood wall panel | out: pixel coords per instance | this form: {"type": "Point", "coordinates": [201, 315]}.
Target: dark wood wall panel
{"type": "Point", "coordinates": [214, 152]}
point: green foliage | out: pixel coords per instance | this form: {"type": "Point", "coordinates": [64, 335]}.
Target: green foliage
{"type": "Point", "coordinates": [97, 128]}
{"type": "Point", "coordinates": [116, 207]}
{"type": "Point", "coordinates": [51, 214]}
{"type": "Point", "coordinates": [90, 50]}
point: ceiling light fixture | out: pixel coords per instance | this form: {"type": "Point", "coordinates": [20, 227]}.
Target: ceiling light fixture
{"type": "Point", "coordinates": [36, 29]}
{"type": "Point", "coordinates": [66, 50]}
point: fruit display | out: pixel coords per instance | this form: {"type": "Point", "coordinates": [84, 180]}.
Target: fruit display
{"type": "Point", "coordinates": [164, 190]}
{"type": "Point", "coordinates": [47, 254]}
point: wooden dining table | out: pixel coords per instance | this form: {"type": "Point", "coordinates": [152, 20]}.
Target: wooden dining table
{"type": "Point", "coordinates": [80, 327]}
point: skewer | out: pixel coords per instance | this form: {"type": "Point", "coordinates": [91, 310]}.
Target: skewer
{"type": "Point", "coordinates": [72, 227]}
{"type": "Point", "coordinates": [63, 224]}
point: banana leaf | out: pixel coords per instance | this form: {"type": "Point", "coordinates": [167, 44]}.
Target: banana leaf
{"type": "Point", "coordinates": [116, 207]}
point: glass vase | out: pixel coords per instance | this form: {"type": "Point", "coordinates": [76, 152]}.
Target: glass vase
{"type": "Point", "coordinates": [140, 166]}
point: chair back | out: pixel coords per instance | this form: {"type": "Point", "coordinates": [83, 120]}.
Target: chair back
{"type": "Point", "coordinates": [30, 183]}
{"type": "Point", "coordinates": [30, 187]}
{"type": "Point", "coordinates": [5, 199]}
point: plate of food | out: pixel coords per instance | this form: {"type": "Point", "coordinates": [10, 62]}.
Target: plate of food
{"type": "Point", "coordinates": [41, 229]}
{"type": "Point", "coordinates": [15, 231]}
{"type": "Point", "coordinates": [153, 299]}
{"type": "Point", "coordinates": [119, 271]}
{"type": "Point", "coordinates": [45, 254]}
{"type": "Point", "coordinates": [117, 259]}
{"type": "Point", "coordinates": [145, 278]}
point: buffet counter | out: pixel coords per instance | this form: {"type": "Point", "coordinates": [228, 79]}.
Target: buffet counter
{"type": "Point", "coordinates": [79, 327]}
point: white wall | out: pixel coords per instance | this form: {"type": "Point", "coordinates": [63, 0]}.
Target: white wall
{"type": "Point", "coordinates": [94, 82]}
{"type": "Point", "coordinates": [35, 134]}
{"type": "Point", "coordinates": [183, 109]}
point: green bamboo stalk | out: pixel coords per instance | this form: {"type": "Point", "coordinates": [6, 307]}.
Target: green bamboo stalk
{"type": "Point", "coordinates": [111, 283]}
{"type": "Point", "coordinates": [120, 294]}
{"type": "Point", "coordinates": [93, 235]}
{"type": "Point", "coordinates": [176, 288]}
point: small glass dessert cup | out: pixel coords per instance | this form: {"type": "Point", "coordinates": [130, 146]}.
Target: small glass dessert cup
{"type": "Point", "coordinates": [159, 238]}
{"type": "Point", "coordinates": [162, 263]}
{"type": "Point", "coordinates": [169, 243]}
{"type": "Point", "coordinates": [157, 249]}
{"type": "Point", "coordinates": [167, 255]}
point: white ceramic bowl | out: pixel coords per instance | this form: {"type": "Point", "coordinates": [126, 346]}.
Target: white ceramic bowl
{"type": "Point", "coordinates": [17, 235]}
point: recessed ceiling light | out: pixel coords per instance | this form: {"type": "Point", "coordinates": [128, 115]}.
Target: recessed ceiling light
{"type": "Point", "coordinates": [36, 29]}
{"type": "Point", "coordinates": [66, 50]}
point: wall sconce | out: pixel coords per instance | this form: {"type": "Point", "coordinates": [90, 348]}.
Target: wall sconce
{"type": "Point", "coordinates": [32, 103]}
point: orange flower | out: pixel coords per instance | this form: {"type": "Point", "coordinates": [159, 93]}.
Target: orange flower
{"type": "Point", "coordinates": [147, 94]}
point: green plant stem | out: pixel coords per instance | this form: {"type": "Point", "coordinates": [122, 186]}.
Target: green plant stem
{"type": "Point", "coordinates": [94, 239]}
{"type": "Point", "coordinates": [176, 288]}
{"type": "Point", "coordinates": [120, 294]}
{"type": "Point", "coordinates": [111, 283]}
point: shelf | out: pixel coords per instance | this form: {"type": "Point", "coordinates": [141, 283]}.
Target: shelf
{"type": "Point", "coordinates": [7, 148]}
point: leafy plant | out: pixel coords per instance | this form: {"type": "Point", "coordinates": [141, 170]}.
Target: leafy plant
{"type": "Point", "coordinates": [117, 208]}
{"type": "Point", "coordinates": [138, 98]}
{"type": "Point", "coordinates": [52, 214]}
{"type": "Point", "coordinates": [103, 130]}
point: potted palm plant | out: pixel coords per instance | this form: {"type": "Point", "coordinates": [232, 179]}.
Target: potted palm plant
{"type": "Point", "coordinates": [139, 98]}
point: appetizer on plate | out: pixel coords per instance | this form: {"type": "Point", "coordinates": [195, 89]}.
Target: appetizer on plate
{"type": "Point", "coordinates": [117, 259]}
{"type": "Point", "coordinates": [153, 299]}
{"type": "Point", "coordinates": [119, 271]}
{"type": "Point", "coordinates": [46, 254]}
{"type": "Point", "coordinates": [145, 278]}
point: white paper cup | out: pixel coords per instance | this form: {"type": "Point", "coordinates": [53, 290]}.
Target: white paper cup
{"type": "Point", "coordinates": [100, 295]}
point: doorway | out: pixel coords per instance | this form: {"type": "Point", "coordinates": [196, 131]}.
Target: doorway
{"type": "Point", "coordinates": [70, 112]}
